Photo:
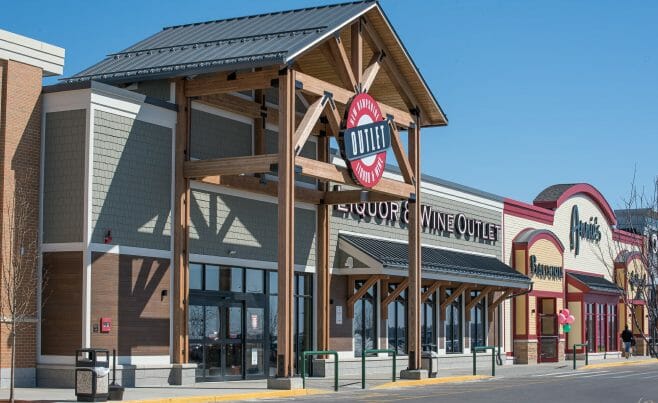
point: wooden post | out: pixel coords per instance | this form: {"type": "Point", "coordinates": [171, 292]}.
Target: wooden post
{"type": "Point", "coordinates": [181, 226]}
{"type": "Point", "coordinates": [322, 247]}
{"type": "Point", "coordinates": [414, 251]}
{"type": "Point", "coordinates": [259, 124]}
{"type": "Point", "coordinates": [357, 51]}
{"type": "Point", "coordinates": [286, 223]}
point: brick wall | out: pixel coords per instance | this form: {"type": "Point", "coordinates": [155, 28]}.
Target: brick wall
{"type": "Point", "coordinates": [20, 136]}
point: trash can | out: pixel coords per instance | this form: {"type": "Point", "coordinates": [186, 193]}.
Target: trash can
{"type": "Point", "coordinates": [429, 361]}
{"type": "Point", "coordinates": [92, 367]}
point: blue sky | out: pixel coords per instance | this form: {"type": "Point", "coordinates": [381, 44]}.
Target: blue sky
{"type": "Point", "coordinates": [537, 93]}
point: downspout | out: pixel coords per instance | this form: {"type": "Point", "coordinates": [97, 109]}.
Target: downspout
{"type": "Point", "coordinates": [499, 359]}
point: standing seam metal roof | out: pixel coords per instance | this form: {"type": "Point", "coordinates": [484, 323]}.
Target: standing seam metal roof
{"type": "Point", "coordinates": [231, 43]}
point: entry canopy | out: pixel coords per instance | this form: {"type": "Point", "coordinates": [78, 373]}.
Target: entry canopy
{"type": "Point", "coordinates": [391, 258]}
{"type": "Point", "coordinates": [595, 284]}
{"type": "Point", "coordinates": [274, 39]}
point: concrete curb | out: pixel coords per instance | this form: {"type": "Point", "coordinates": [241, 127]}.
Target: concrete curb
{"type": "Point", "coordinates": [232, 397]}
{"type": "Point", "coordinates": [620, 364]}
{"type": "Point", "coordinates": [431, 381]}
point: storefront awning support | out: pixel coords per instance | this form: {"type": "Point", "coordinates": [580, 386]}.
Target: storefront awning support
{"type": "Point", "coordinates": [392, 296]}
{"type": "Point", "coordinates": [360, 293]}
{"type": "Point", "coordinates": [476, 300]}
{"type": "Point", "coordinates": [415, 249]}
{"type": "Point", "coordinates": [495, 303]}
{"type": "Point", "coordinates": [430, 290]}
{"type": "Point", "coordinates": [453, 296]}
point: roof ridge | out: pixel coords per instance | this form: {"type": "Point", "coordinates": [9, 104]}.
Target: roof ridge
{"type": "Point", "coordinates": [270, 13]}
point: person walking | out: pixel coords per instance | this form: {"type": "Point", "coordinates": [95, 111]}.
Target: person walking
{"type": "Point", "coordinates": [627, 338]}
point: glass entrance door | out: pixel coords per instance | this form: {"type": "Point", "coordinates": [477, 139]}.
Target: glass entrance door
{"type": "Point", "coordinates": [548, 336]}
{"type": "Point", "coordinates": [216, 340]}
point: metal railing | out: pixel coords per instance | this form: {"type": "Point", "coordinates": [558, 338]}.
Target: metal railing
{"type": "Point", "coordinates": [321, 352]}
{"type": "Point", "coordinates": [493, 358]}
{"type": "Point", "coordinates": [586, 345]}
{"type": "Point", "coordinates": [375, 351]}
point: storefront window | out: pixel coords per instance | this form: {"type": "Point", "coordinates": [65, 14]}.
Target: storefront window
{"type": "Point", "coordinates": [255, 280]}
{"type": "Point", "coordinates": [477, 323]}
{"type": "Point", "coordinates": [364, 323]}
{"type": "Point", "coordinates": [590, 326]}
{"type": "Point", "coordinates": [600, 326]}
{"type": "Point", "coordinates": [428, 324]}
{"type": "Point", "coordinates": [453, 325]}
{"type": "Point", "coordinates": [612, 328]}
{"type": "Point", "coordinates": [196, 276]}
{"type": "Point", "coordinates": [212, 278]}
{"type": "Point", "coordinates": [272, 287]}
{"type": "Point", "coordinates": [397, 322]}
{"type": "Point", "coordinates": [303, 316]}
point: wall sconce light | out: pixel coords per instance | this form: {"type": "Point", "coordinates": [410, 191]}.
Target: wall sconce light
{"type": "Point", "coordinates": [108, 237]}
{"type": "Point", "coordinates": [232, 252]}
{"type": "Point", "coordinates": [533, 311]}
{"type": "Point", "coordinates": [163, 295]}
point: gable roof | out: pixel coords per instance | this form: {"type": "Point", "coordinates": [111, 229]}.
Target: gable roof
{"type": "Point", "coordinates": [249, 42]}
{"type": "Point", "coordinates": [553, 196]}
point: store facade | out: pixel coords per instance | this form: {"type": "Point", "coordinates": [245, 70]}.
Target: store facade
{"type": "Point", "coordinates": [568, 243]}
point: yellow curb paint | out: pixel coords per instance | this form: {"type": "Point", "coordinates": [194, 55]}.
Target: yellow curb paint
{"type": "Point", "coordinates": [620, 364]}
{"type": "Point", "coordinates": [232, 397]}
{"type": "Point", "coordinates": [431, 381]}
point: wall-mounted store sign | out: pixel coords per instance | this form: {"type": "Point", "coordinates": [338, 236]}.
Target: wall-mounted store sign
{"type": "Point", "coordinates": [588, 230]}
{"type": "Point", "coordinates": [431, 220]}
{"type": "Point", "coordinates": [545, 271]}
{"type": "Point", "coordinates": [653, 243]}
{"type": "Point", "coordinates": [365, 140]}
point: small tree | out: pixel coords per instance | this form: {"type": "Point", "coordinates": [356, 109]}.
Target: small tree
{"type": "Point", "coordinates": [638, 216]}
{"type": "Point", "coordinates": [19, 276]}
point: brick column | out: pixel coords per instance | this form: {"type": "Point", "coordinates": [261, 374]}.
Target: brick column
{"type": "Point", "coordinates": [20, 139]}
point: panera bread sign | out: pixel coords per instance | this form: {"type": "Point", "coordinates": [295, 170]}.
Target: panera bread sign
{"type": "Point", "coordinates": [365, 140]}
{"type": "Point", "coordinates": [432, 220]}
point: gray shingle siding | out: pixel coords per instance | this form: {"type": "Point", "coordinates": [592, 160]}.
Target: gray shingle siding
{"type": "Point", "coordinates": [309, 151]}
{"type": "Point", "coordinates": [215, 136]}
{"type": "Point", "coordinates": [221, 223]}
{"type": "Point", "coordinates": [397, 230]}
{"type": "Point", "coordinates": [131, 182]}
{"type": "Point", "coordinates": [159, 89]}
{"type": "Point", "coordinates": [64, 172]}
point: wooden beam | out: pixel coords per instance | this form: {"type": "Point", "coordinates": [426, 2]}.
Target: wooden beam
{"type": "Point", "coordinates": [356, 196]}
{"type": "Point", "coordinates": [229, 166]}
{"type": "Point", "coordinates": [376, 43]}
{"type": "Point", "coordinates": [286, 225]}
{"type": "Point", "coordinates": [308, 123]}
{"type": "Point", "coordinates": [341, 62]}
{"type": "Point", "coordinates": [318, 87]}
{"type": "Point", "coordinates": [356, 49]}
{"type": "Point", "coordinates": [334, 119]}
{"type": "Point", "coordinates": [415, 251]}
{"type": "Point", "coordinates": [330, 172]}
{"type": "Point", "coordinates": [401, 155]}
{"type": "Point", "coordinates": [362, 291]}
{"type": "Point", "coordinates": [259, 123]}
{"type": "Point", "coordinates": [235, 104]}
{"type": "Point", "coordinates": [371, 71]}
{"type": "Point", "coordinates": [494, 304]}
{"type": "Point", "coordinates": [263, 186]}
{"type": "Point", "coordinates": [473, 301]}
{"type": "Point", "coordinates": [459, 291]}
{"type": "Point", "coordinates": [393, 295]}
{"type": "Point", "coordinates": [323, 220]}
{"type": "Point", "coordinates": [181, 227]}
{"type": "Point", "coordinates": [430, 290]}
{"type": "Point", "coordinates": [230, 82]}
{"type": "Point", "coordinates": [479, 298]}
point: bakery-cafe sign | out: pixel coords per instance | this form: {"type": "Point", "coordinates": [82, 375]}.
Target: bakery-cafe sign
{"type": "Point", "coordinates": [545, 271]}
{"type": "Point", "coordinates": [365, 140]}
{"type": "Point", "coordinates": [430, 219]}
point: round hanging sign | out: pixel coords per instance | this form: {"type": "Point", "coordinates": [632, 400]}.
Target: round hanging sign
{"type": "Point", "coordinates": [365, 140]}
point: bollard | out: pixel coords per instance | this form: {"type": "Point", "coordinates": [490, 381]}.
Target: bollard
{"type": "Point", "coordinates": [322, 352]}
{"type": "Point", "coordinates": [375, 351]}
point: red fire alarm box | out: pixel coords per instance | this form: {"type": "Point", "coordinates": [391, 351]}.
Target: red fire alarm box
{"type": "Point", "coordinates": [106, 325]}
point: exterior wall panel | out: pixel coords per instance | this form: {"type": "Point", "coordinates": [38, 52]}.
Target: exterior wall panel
{"type": "Point", "coordinates": [214, 136]}
{"type": "Point", "coordinates": [131, 182]}
{"type": "Point", "coordinates": [221, 223]}
{"type": "Point", "coordinates": [63, 176]}
{"type": "Point", "coordinates": [128, 289]}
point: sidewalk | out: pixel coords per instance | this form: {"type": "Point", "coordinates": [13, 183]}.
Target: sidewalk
{"type": "Point", "coordinates": [257, 389]}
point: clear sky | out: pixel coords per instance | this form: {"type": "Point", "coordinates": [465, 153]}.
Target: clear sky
{"type": "Point", "coordinates": [537, 93]}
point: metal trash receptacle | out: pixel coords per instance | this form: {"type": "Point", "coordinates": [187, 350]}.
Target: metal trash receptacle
{"type": "Point", "coordinates": [92, 368]}
{"type": "Point", "coordinates": [429, 361]}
